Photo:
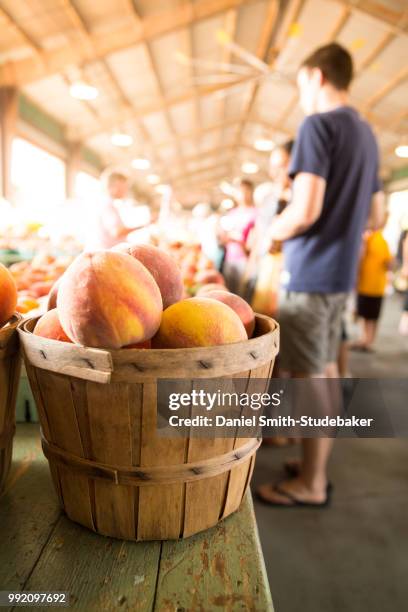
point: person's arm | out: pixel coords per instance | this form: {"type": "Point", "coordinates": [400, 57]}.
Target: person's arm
{"type": "Point", "coordinates": [404, 269]}
{"type": "Point", "coordinates": [113, 223]}
{"type": "Point", "coordinates": [377, 211]}
{"type": "Point", "coordinates": [304, 210]}
{"type": "Point", "coordinates": [309, 169]}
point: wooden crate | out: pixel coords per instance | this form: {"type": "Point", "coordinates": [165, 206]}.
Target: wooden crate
{"type": "Point", "coordinates": [98, 414]}
{"type": "Point", "coordinates": [10, 363]}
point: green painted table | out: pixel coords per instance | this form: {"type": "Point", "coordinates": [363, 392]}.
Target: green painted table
{"type": "Point", "coordinates": [40, 549]}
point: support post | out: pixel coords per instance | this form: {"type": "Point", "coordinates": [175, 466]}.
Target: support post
{"type": "Point", "coordinates": [8, 122]}
{"type": "Point", "coordinates": [72, 168]}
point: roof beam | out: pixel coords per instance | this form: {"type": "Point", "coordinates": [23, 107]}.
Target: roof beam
{"type": "Point", "coordinates": [155, 70]}
{"type": "Point", "coordinates": [291, 14]}
{"type": "Point", "coordinates": [262, 50]}
{"type": "Point", "coordinates": [27, 70]}
{"type": "Point", "coordinates": [387, 88]}
{"type": "Point", "coordinates": [21, 32]}
{"type": "Point", "coordinates": [230, 25]}
{"type": "Point", "coordinates": [184, 175]}
{"type": "Point", "coordinates": [378, 11]}
{"type": "Point", "coordinates": [161, 106]}
{"type": "Point", "coordinates": [126, 104]}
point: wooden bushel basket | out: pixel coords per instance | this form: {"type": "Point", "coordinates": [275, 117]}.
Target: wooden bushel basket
{"type": "Point", "coordinates": [10, 364]}
{"type": "Point", "coordinates": [98, 415]}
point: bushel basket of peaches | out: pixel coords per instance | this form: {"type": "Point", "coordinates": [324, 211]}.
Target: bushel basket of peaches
{"type": "Point", "coordinates": [10, 363]}
{"type": "Point", "coordinates": [122, 321]}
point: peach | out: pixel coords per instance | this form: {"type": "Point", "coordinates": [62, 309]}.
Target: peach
{"type": "Point", "coordinates": [52, 296]}
{"type": "Point", "coordinates": [49, 326]}
{"type": "Point", "coordinates": [141, 345]}
{"type": "Point", "coordinates": [211, 287]}
{"type": "Point", "coordinates": [209, 276]}
{"type": "Point", "coordinates": [163, 268]}
{"type": "Point", "coordinates": [199, 322]}
{"type": "Point", "coordinates": [239, 305]}
{"type": "Point", "coordinates": [8, 295]}
{"type": "Point", "coordinates": [108, 299]}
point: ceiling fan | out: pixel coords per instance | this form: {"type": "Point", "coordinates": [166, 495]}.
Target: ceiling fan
{"type": "Point", "coordinates": [251, 68]}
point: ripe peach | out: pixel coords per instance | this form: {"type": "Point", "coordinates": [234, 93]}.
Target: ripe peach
{"type": "Point", "coordinates": [140, 345]}
{"type": "Point", "coordinates": [52, 296]}
{"type": "Point", "coordinates": [209, 276]}
{"type": "Point", "coordinates": [49, 326]}
{"type": "Point", "coordinates": [199, 322]}
{"type": "Point", "coordinates": [210, 287]}
{"type": "Point", "coordinates": [8, 295]}
{"type": "Point", "coordinates": [108, 299]}
{"type": "Point", "coordinates": [163, 268]}
{"type": "Point", "coordinates": [239, 305]}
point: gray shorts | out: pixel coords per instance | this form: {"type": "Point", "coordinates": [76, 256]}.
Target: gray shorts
{"type": "Point", "coordinates": [310, 325]}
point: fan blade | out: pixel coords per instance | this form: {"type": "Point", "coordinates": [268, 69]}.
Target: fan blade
{"type": "Point", "coordinates": [248, 57]}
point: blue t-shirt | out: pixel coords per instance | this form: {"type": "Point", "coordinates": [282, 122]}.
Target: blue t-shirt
{"type": "Point", "coordinates": [341, 148]}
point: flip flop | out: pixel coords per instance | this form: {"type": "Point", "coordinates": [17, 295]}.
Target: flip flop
{"type": "Point", "coordinates": [296, 503]}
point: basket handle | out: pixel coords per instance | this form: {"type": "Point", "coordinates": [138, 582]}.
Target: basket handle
{"type": "Point", "coordinates": [95, 365]}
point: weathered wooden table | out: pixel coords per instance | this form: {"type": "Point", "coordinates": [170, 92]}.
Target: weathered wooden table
{"type": "Point", "coordinates": [40, 549]}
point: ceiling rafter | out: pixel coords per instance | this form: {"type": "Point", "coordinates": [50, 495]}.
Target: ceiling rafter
{"type": "Point", "coordinates": [126, 104]}
{"type": "Point", "coordinates": [161, 105]}
{"type": "Point", "coordinates": [387, 88]}
{"type": "Point", "coordinates": [230, 26]}
{"type": "Point", "coordinates": [24, 71]}
{"type": "Point", "coordinates": [21, 32]}
{"type": "Point", "coordinates": [191, 53]}
{"type": "Point", "coordinates": [198, 133]}
{"type": "Point", "coordinates": [261, 53]}
{"type": "Point", "coordinates": [181, 177]}
{"type": "Point", "coordinates": [156, 73]}
{"type": "Point", "coordinates": [373, 9]}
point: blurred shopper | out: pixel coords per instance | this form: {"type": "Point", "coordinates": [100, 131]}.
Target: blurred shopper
{"type": "Point", "coordinates": [335, 191]}
{"type": "Point", "coordinates": [236, 226]}
{"type": "Point", "coordinates": [108, 227]}
{"type": "Point", "coordinates": [372, 282]}
{"type": "Point", "coordinates": [270, 198]}
{"type": "Point", "coordinates": [403, 326]}
{"type": "Point", "coordinates": [205, 225]}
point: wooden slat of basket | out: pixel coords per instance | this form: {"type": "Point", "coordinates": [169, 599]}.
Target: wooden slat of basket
{"type": "Point", "coordinates": [10, 365]}
{"type": "Point", "coordinates": [152, 522]}
{"type": "Point", "coordinates": [214, 491]}
{"type": "Point", "coordinates": [108, 412]}
{"type": "Point", "coordinates": [240, 475]}
{"type": "Point", "coordinates": [135, 401]}
{"type": "Point", "coordinates": [80, 402]}
{"type": "Point", "coordinates": [65, 433]}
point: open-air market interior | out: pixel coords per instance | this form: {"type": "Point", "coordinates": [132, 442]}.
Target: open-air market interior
{"type": "Point", "coordinates": [198, 190]}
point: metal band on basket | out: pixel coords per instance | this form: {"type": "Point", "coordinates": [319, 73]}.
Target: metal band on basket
{"type": "Point", "coordinates": [140, 476]}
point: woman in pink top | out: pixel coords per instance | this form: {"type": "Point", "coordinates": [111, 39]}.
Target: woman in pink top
{"type": "Point", "coordinates": [236, 226]}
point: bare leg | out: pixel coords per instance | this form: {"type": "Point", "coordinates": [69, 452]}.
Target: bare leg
{"type": "Point", "coordinates": [343, 359]}
{"type": "Point", "coordinates": [311, 483]}
{"type": "Point", "coordinates": [371, 332]}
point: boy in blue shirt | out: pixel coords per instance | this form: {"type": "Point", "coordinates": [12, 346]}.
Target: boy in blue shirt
{"type": "Point", "coordinates": [336, 193]}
